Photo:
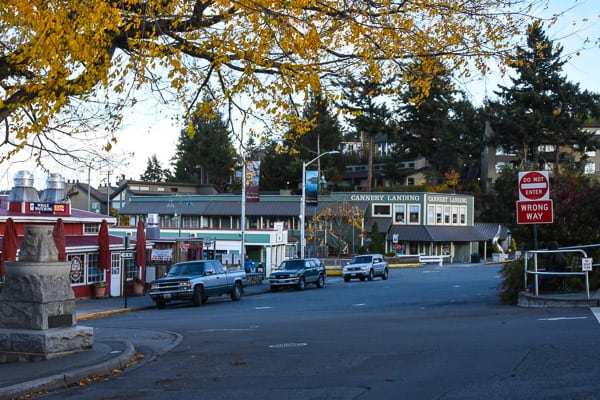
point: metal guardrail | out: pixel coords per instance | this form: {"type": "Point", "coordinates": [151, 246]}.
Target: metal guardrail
{"type": "Point", "coordinates": [536, 272]}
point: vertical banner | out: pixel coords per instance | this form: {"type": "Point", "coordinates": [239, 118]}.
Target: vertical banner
{"type": "Point", "coordinates": [252, 177]}
{"type": "Point", "coordinates": [312, 180]}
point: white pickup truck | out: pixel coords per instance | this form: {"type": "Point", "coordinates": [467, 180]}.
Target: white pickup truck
{"type": "Point", "coordinates": [197, 281]}
{"type": "Point", "coordinates": [366, 266]}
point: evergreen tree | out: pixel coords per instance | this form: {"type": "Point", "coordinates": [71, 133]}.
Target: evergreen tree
{"type": "Point", "coordinates": [154, 172]}
{"type": "Point", "coordinates": [369, 118]}
{"type": "Point", "coordinates": [438, 124]}
{"type": "Point", "coordinates": [205, 153]}
{"type": "Point", "coordinates": [541, 110]}
{"type": "Point", "coordinates": [279, 169]}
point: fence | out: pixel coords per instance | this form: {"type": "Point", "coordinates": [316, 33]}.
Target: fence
{"type": "Point", "coordinates": [536, 272]}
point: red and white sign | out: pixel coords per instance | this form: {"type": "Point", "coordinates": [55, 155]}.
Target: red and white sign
{"type": "Point", "coordinates": [535, 212]}
{"type": "Point", "coordinates": [534, 185]}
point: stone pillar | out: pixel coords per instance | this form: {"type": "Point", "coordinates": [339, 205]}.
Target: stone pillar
{"type": "Point", "coordinates": [37, 305]}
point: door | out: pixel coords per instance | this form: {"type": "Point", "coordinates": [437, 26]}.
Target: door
{"type": "Point", "coordinates": [115, 275]}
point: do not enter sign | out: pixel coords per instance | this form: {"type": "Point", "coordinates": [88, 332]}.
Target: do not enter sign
{"type": "Point", "coordinates": [534, 185]}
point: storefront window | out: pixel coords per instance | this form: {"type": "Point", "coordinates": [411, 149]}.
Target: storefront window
{"type": "Point", "coordinates": [447, 215]}
{"type": "Point", "coordinates": [438, 215]}
{"type": "Point", "coordinates": [94, 274]}
{"type": "Point", "coordinates": [381, 210]}
{"type": "Point", "coordinates": [463, 215]}
{"type": "Point", "coordinates": [430, 215]}
{"type": "Point", "coordinates": [400, 213]}
{"type": "Point", "coordinates": [77, 273]}
{"type": "Point", "coordinates": [414, 214]}
{"type": "Point", "coordinates": [455, 214]}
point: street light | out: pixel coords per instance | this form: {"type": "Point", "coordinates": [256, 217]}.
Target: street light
{"type": "Point", "coordinates": [303, 205]}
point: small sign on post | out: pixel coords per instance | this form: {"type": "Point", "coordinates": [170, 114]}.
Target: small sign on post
{"type": "Point", "coordinates": [586, 264]}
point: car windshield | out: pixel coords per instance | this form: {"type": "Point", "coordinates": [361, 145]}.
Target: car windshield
{"type": "Point", "coordinates": [292, 264]}
{"type": "Point", "coordinates": [361, 260]}
{"type": "Point", "coordinates": [185, 269]}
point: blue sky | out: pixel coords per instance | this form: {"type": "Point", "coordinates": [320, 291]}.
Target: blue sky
{"type": "Point", "coordinates": [148, 129]}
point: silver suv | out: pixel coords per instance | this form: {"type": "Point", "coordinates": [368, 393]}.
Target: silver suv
{"type": "Point", "coordinates": [366, 266]}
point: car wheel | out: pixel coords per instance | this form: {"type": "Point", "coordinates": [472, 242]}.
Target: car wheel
{"type": "Point", "coordinates": [301, 283]}
{"type": "Point", "coordinates": [362, 278]}
{"type": "Point", "coordinates": [321, 281]}
{"type": "Point", "coordinates": [385, 274]}
{"type": "Point", "coordinates": [274, 289]}
{"type": "Point", "coordinates": [160, 305]}
{"type": "Point", "coordinates": [346, 279]}
{"type": "Point", "coordinates": [199, 297]}
{"type": "Point", "coordinates": [236, 293]}
{"type": "Point", "coordinates": [371, 275]}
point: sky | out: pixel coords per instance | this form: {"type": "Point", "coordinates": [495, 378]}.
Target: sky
{"type": "Point", "coordinates": [148, 129]}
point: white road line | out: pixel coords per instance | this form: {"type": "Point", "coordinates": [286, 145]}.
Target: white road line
{"type": "Point", "coordinates": [560, 318]}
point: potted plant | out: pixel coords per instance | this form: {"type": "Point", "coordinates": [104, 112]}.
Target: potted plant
{"type": "Point", "coordinates": [99, 289]}
{"type": "Point", "coordinates": [136, 285]}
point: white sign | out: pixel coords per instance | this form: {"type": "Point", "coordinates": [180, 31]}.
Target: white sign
{"type": "Point", "coordinates": [586, 264]}
{"type": "Point", "coordinates": [534, 185]}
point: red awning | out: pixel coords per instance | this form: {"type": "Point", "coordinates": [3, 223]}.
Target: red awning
{"type": "Point", "coordinates": [104, 246]}
{"type": "Point", "coordinates": [58, 234]}
{"type": "Point", "coordinates": [140, 245]}
{"type": "Point", "coordinates": [10, 244]}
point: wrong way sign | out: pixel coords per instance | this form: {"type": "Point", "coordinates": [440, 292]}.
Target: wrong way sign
{"type": "Point", "coordinates": [535, 212]}
{"type": "Point", "coordinates": [534, 185]}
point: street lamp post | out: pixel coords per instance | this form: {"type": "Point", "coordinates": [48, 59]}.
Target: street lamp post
{"type": "Point", "coordinates": [303, 200]}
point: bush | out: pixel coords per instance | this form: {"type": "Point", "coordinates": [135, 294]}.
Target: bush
{"type": "Point", "coordinates": [512, 283]}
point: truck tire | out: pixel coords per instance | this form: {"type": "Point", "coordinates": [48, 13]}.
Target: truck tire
{"type": "Point", "coordinates": [385, 274]}
{"type": "Point", "coordinates": [301, 283]}
{"type": "Point", "coordinates": [236, 293]}
{"type": "Point", "coordinates": [346, 278]}
{"type": "Point", "coordinates": [371, 275]}
{"type": "Point", "coordinates": [160, 305]}
{"type": "Point", "coordinates": [199, 297]}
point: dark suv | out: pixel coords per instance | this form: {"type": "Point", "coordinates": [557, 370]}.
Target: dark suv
{"type": "Point", "coordinates": [297, 273]}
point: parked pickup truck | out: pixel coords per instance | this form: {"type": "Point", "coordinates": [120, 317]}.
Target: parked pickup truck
{"type": "Point", "coordinates": [197, 281]}
{"type": "Point", "coordinates": [366, 266]}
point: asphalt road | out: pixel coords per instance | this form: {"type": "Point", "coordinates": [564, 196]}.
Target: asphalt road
{"type": "Point", "coordinates": [427, 333]}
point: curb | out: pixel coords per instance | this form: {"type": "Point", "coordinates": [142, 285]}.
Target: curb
{"type": "Point", "coordinates": [70, 377]}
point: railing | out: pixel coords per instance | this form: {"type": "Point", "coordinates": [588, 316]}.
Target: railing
{"type": "Point", "coordinates": [536, 272]}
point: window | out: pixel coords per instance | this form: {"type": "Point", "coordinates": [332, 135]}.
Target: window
{"type": "Point", "coordinates": [93, 273]}
{"type": "Point", "coordinates": [589, 168]}
{"type": "Point", "coordinates": [77, 268]}
{"type": "Point", "coordinates": [455, 215]}
{"type": "Point", "coordinates": [91, 228]}
{"type": "Point", "coordinates": [463, 215]}
{"type": "Point", "coordinates": [411, 181]}
{"type": "Point", "coordinates": [430, 215]}
{"type": "Point", "coordinates": [414, 214]}
{"type": "Point", "coordinates": [400, 213]}
{"type": "Point", "coordinates": [131, 270]}
{"type": "Point", "coordinates": [381, 210]}
{"type": "Point", "coordinates": [447, 215]}
{"type": "Point", "coordinates": [438, 215]}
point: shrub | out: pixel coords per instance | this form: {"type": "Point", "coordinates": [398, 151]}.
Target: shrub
{"type": "Point", "coordinates": [512, 284]}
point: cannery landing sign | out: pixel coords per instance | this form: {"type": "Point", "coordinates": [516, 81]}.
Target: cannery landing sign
{"type": "Point", "coordinates": [408, 197]}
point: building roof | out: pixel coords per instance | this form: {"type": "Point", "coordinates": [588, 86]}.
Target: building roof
{"type": "Point", "coordinates": [489, 229]}
{"type": "Point", "coordinates": [429, 233]}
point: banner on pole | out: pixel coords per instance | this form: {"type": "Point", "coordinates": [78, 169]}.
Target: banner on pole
{"type": "Point", "coordinates": [312, 181]}
{"type": "Point", "coordinates": [252, 181]}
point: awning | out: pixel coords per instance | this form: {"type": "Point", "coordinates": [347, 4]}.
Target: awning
{"type": "Point", "coordinates": [426, 233]}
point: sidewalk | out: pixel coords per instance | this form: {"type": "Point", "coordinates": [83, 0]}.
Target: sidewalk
{"type": "Point", "coordinates": [110, 351]}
